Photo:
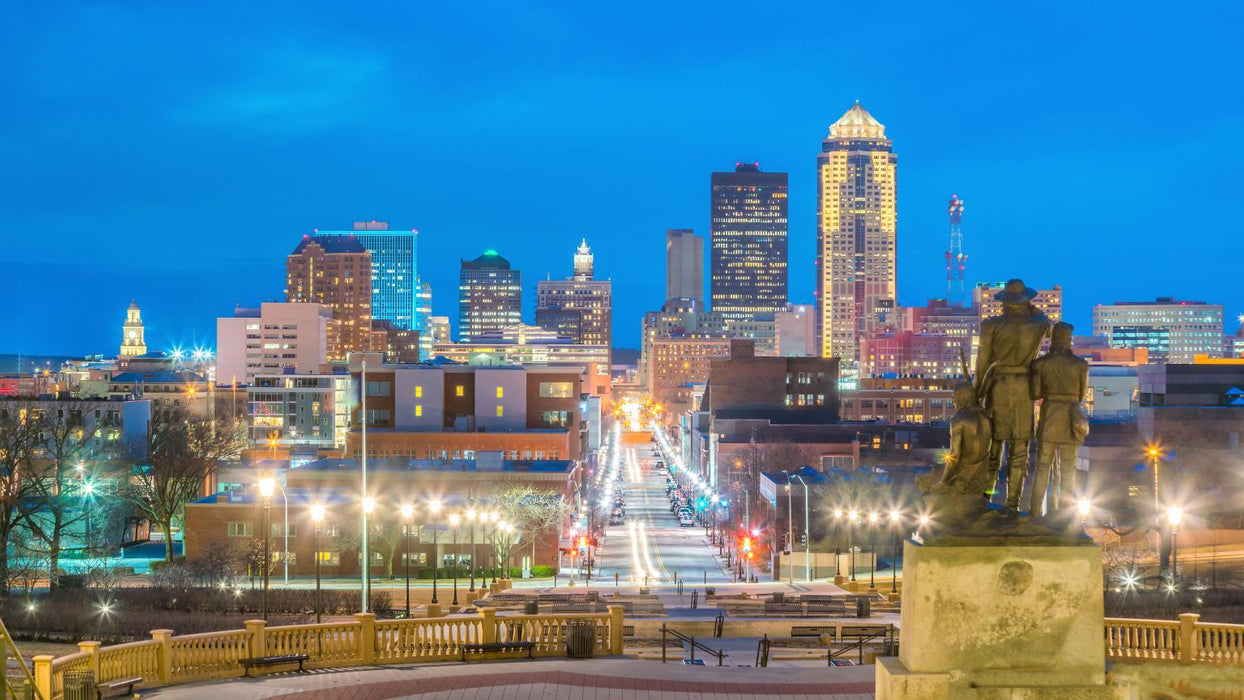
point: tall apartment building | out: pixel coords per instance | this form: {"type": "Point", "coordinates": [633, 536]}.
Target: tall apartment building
{"type": "Point", "coordinates": [490, 295]}
{"type": "Point", "coordinates": [579, 307]}
{"type": "Point", "coordinates": [747, 240]}
{"type": "Point", "coordinates": [1048, 301]}
{"type": "Point", "coordinates": [856, 232]}
{"type": "Point", "coordinates": [274, 338]}
{"type": "Point", "coordinates": [1173, 331]}
{"type": "Point", "coordinates": [394, 270]}
{"type": "Point", "coordinates": [334, 271]}
{"type": "Point", "coordinates": [684, 265]}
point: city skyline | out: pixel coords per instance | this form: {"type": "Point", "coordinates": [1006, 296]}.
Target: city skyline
{"type": "Point", "coordinates": [257, 129]}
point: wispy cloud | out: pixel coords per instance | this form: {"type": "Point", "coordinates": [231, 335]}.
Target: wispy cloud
{"type": "Point", "coordinates": [294, 89]}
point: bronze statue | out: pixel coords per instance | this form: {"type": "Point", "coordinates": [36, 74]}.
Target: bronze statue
{"type": "Point", "coordinates": [1060, 380]}
{"type": "Point", "coordinates": [960, 491]}
{"type": "Point", "coordinates": [1008, 345]}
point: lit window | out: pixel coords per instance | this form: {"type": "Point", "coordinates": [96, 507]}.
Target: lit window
{"type": "Point", "coordinates": [419, 392]}
{"type": "Point", "coordinates": [500, 411]}
{"type": "Point", "coordinates": [500, 392]}
{"type": "Point", "coordinates": [459, 391]}
{"type": "Point", "coordinates": [418, 410]}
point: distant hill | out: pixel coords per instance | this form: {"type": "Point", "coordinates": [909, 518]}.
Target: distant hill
{"type": "Point", "coordinates": [8, 363]}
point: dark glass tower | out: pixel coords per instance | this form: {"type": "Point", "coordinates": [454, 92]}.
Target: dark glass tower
{"type": "Point", "coordinates": [748, 241]}
{"type": "Point", "coordinates": [490, 296]}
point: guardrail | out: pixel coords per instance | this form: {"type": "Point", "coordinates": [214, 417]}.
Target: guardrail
{"type": "Point", "coordinates": [1186, 640]}
{"type": "Point", "coordinates": [363, 641]}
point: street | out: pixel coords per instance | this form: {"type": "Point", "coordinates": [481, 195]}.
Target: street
{"type": "Point", "coordinates": [650, 542]}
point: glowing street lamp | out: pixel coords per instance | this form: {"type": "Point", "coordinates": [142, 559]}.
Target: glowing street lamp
{"type": "Point", "coordinates": [1174, 516]}
{"type": "Point", "coordinates": [471, 516]}
{"type": "Point", "coordinates": [454, 521]}
{"type": "Point", "coordinates": [895, 520]}
{"type": "Point", "coordinates": [434, 507]}
{"type": "Point", "coordinates": [317, 516]}
{"type": "Point", "coordinates": [408, 513]}
{"type": "Point", "coordinates": [266, 486]}
{"type": "Point", "coordinates": [873, 518]}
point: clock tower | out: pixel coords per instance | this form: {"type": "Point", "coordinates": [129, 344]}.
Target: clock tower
{"type": "Point", "coordinates": [132, 343]}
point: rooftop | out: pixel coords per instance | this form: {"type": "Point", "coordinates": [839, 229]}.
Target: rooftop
{"type": "Point", "coordinates": [331, 244]}
{"type": "Point", "coordinates": [857, 123]}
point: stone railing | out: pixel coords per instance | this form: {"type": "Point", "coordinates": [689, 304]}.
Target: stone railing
{"type": "Point", "coordinates": [1185, 641]}
{"type": "Point", "coordinates": [166, 660]}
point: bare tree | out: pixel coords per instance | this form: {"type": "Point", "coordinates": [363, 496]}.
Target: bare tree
{"type": "Point", "coordinates": [59, 487]}
{"type": "Point", "coordinates": [182, 453]}
{"type": "Point", "coordinates": [18, 438]}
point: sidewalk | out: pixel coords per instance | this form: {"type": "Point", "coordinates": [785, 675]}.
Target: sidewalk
{"type": "Point", "coordinates": [587, 679]}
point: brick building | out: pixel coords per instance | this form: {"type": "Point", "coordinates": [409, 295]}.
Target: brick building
{"type": "Point", "coordinates": [334, 271]}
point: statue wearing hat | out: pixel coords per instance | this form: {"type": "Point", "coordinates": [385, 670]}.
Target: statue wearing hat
{"type": "Point", "coordinates": [1008, 345]}
{"type": "Point", "coordinates": [1060, 380]}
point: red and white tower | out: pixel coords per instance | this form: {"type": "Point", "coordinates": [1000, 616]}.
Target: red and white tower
{"type": "Point", "coordinates": [956, 259]}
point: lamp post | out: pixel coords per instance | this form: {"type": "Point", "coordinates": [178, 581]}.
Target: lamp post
{"type": "Point", "coordinates": [366, 593]}
{"type": "Point", "coordinates": [852, 518]}
{"type": "Point", "coordinates": [807, 532]}
{"type": "Point", "coordinates": [895, 521]}
{"type": "Point", "coordinates": [872, 548]}
{"type": "Point", "coordinates": [1174, 516]}
{"type": "Point", "coordinates": [790, 534]}
{"type": "Point", "coordinates": [837, 540]}
{"type": "Point", "coordinates": [266, 487]}
{"type": "Point", "coordinates": [471, 515]}
{"type": "Point", "coordinates": [454, 520]}
{"type": "Point", "coordinates": [408, 513]}
{"type": "Point", "coordinates": [88, 492]}
{"type": "Point", "coordinates": [435, 508]}
{"type": "Point", "coordinates": [495, 519]}
{"type": "Point", "coordinates": [369, 507]}
{"type": "Point", "coordinates": [317, 516]}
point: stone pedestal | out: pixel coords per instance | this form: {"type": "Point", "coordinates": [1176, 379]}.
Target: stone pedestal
{"type": "Point", "coordinates": [999, 619]}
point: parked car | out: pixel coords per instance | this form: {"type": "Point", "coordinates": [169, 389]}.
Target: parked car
{"type": "Point", "coordinates": [686, 521]}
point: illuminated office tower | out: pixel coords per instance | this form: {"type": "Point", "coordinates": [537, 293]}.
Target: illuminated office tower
{"type": "Point", "coordinates": [856, 233]}
{"type": "Point", "coordinates": [394, 270]}
{"type": "Point", "coordinates": [1173, 331]}
{"type": "Point", "coordinates": [490, 296]}
{"type": "Point", "coordinates": [579, 307]}
{"type": "Point", "coordinates": [334, 271]}
{"type": "Point", "coordinates": [684, 265]}
{"type": "Point", "coordinates": [748, 242]}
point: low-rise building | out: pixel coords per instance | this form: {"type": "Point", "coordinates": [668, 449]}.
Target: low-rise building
{"type": "Point", "coordinates": [275, 337]}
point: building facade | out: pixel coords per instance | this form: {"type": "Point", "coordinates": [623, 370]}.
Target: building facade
{"type": "Point", "coordinates": [676, 363]}
{"type": "Point", "coordinates": [795, 328]}
{"type": "Point", "coordinates": [334, 271]}
{"type": "Point", "coordinates": [748, 242]}
{"type": "Point", "coordinates": [289, 410]}
{"type": "Point", "coordinates": [133, 336]}
{"type": "Point", "coordinates": [908, 354]}
{"type": "Point", "coordinates": [579, 307]}
{"type": "Point", "coordinates": [490, 296]}
{"type": "Point", "coordinates": [275, 337]}
{"type": "Point", "coordinates": [902, 400]}
{"type": "Point", "coordinates": [1048, 301]}
{"type": "Point", "coordinates": [394, 270]}
{"type": "Point", "coordinates": [1171, 330]}
{"type": "Point", "coordinates": [856, 232]}
{"type": "Point", "coordinates": [684, 265]}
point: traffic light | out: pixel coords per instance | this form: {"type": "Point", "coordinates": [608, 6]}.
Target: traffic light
{"type": "Point", "coordinates": [803, 539]}
{"type": "Point", "coordinates": [747, 545]}
{"type": "Point", "coordinates": [582, 544]}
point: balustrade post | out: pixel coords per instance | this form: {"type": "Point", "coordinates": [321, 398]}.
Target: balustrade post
{"type": "Point", "coordinates": [488, 625]}
{"type": "Point", "coordinates": [367, 637]}
{"type": "Point", "coordinates": [1188, 638]}
{"type": "Point", "coordinates": [434, 609]}
{"type": "Point", "coordinates": [164, 654]}
{"type": "Point", "coordinates": [258, 642]}
{"type": "Point", "coordinates": [43, 675]}
{"type": "Point", "coordinates": [615, 628]}
{"type": "Point", "coordinates": [92, 649]}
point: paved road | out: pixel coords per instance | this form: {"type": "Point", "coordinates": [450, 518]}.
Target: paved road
{"type": "Point", "coordinates": [651, 541]}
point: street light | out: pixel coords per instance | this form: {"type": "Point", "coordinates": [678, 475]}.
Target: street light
{"type": "Point", "coordinates": [434, 507]}
{"type": "Point", "coordinates": [807, 532]}
{"type": "Point", "coordinates": [266, 486]}
{"type": "Point", "coordinates": [852, 518]}
{"type": "Point", "coordinates": [837, 540]}
{"type": "Point", "coordinates": [454, 520]}
{"type": "Point", "coordinates": [895, 520]}
{"type": "Point", "coordinates": [369, 506]}
{"type": "Point", "coordinates": [317, 516]}
{"type": "Point", "coordinates": [872, 549]}
{"type": "Point", "coordinates": [471, 515]}
{"type": "Point", "coordinates": [790, 534]}
{"type": "Point", "coordinates": [408, 512]}
{"type": "Point", "coordinates": [1174, 516]}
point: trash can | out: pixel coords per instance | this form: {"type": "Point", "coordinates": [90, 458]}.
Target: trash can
{"type": "Point", "coordinates": [863, 607]}
{"type": "Point", "coordinates": [580, 638]}
{"type": "Point", "coordinates": [778, 596]}
{"type": "Point", "coordinates": [710, 590]}
{"type": "Point", "coordinates": [531, 607]}
{"type": "Point", "coordinates": [79, 684]}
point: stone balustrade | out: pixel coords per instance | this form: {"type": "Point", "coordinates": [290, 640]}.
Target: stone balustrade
{"type": "Point", "coordinates": [166, 660]}
{"type": "Point", "coordinates": [1186, 640]}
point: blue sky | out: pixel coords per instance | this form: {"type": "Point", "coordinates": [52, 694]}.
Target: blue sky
{"type": "Point", "coordinates": [176, 154]}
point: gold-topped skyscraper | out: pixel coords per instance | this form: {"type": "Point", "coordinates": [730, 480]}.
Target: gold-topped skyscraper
{"type": "Point", "coordinates": [856, 233]}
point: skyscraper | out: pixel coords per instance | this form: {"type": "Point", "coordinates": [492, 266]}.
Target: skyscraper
{"type": "Point", "coordinates": [748, 242]}
{"type": "Point", "coordinates": [394, 270]}
{"type": "Point", "coordinates": [684, 265]}
{"type": "Point", "coordinates": [490, 296]}
{"type": "Point", "coordinates": [334, 271]}
{"type": "Point", "coordinates": [579, 307]}
{"type": "Point", "coordinates": [856, 232]}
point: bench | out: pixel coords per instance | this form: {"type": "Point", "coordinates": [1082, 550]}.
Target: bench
{"type": "Point", "coordinates": [273, 661]}
{"type": "Point", "coordinates": [485, 647]}
{"type": "Point", "coordinates": [117, 687]}
{"type": "Point", "coordinates": [813, 631]}
{"type": "Point", "coordinates": [865, 632]}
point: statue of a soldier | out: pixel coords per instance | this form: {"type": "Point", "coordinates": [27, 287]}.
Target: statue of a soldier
{"type": "Point", "coordinates": [1009, 343]}
{"type": "Point", "coordinates": [1060, 380]}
